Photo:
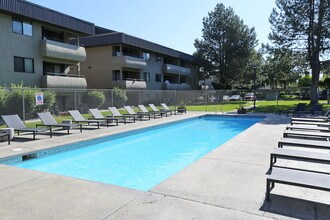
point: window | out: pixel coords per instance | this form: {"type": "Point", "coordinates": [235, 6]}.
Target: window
{"type": "Point", "coordinates": [22, 27]}
{"type": "Point", "coordinates": [22, 64]}
{"type": "Point", "coordinates": [146, 76]}
{"type": "Point", "coordinates": [158, 77]}
{"type": "Point", "coordinates": [115, 75]}
{"type": "Point", "coordinates": [146, 56]}
{"type": "Point", "coordinates": [53, 69]}
{"type": "Point", "coordinates": [158, 58]}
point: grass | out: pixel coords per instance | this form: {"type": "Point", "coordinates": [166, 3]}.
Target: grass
{"type": "Point", "coordinates": [262, 107]}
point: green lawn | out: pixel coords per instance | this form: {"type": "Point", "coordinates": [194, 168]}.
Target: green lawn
{"type": "Point", "coordinates": [262, 107]}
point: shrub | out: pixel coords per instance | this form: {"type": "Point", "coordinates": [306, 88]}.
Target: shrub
{"type": "Point", "coordinates": [119, 97]}
{"type": "Point", "coordinates": [94, 99]}
{"type": "Point", "coordinates": [12, 101]}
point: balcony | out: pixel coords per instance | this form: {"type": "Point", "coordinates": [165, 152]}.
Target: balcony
{"type": "Point", "coordinates": [67, 53]}
{"type": "Point", "coordinates": [128, 62]}
{"type": "Point", "coordinates": [63, 81]}
{"type": "Point", "coordinates": [130, 84]}
{"type": "Point", "coordinates": [176, 86]}
{"type": "Point", "coordinates": [169, 68]}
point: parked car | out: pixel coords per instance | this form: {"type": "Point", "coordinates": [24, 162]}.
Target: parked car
{"type": "Point", "coordinates": [250, 97]}
{"type": "Point", "coordinates": [225, 98]}
{"type": "Point", "coordinates": [235, 98]}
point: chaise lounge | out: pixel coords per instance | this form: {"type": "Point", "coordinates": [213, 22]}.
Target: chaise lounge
{"type": "Point", "coordinates": [14, 121]}
{"type": "Point", "coordinates": [49, 121]}
{"type": "Point", "coordinates": [79, 118]}
{"type": "Point", "coordinates": [97, 115]}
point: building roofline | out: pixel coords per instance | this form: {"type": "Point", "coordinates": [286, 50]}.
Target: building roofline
{"type": "Point", "coordinates": [43, 14]}
{"type": "Point", "coordinates": [123, 38]}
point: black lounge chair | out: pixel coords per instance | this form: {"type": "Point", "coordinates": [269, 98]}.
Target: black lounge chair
{"type": "Point", "coordinates": [297, 154]}
{"type": "Point", "coordinates": [307, 135]}
{"type": "Point", "coordinates": [299, 108]}
{"type": "Point", "coordinates": [308, 128]}
{"type": "Point", "coordinates": [49, 121]}
{"type": "Point", "coordinates": [139, 115]}
{"type": "Point", "coordinates": [313, 118]}
{"type": "Point", "coordinates": [155, 109]}
{"type": "Point", "coordinates": [14, 121]}
{"type": "Point", "coordinates": [97, 115]}
{"type": "Point", "coordinates": [145, 110]}
{"type": "Point", "coordinates": [313, 180]}
{"type": "Point", "coordinates": [79, 118]}
{"type": "Point", "coordinates": [116, 114]}
{"type": "Point", "coordinates": [294, 142]}
{"type": "Point", "coordinates": [4, 135]}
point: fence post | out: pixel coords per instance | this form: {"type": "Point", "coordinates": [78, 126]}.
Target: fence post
{"type": "Point", "coordinates": [111, 97]}
{"type": "Point", "coordinates": [23, 105]}
{"type": "Point", "coordinates": [75, 99]}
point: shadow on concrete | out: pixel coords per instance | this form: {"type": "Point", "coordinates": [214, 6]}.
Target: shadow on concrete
{"type": "Point", "coordinates": [295, 208]}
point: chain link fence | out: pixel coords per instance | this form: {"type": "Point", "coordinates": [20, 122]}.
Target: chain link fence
{"type": "Point", "coordinates": [27, 102]}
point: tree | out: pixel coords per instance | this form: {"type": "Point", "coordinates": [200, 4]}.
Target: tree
{"type": "Point", "coordinates": [303, 25]}
{"type": "Point", "coordinates": [226, 47]}
{"type": "Point", "coordinates": [282, 67]}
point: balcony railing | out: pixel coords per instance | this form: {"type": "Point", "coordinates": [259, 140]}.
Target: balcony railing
{"type": "Point", "coordinates": [63, 81]}
{"type": "Point", "coordinates": [130, 84]}
{"type": "Point", "coordinates": [68, 53]}
{"type": "Point", "coordinates": [169, 68]}
{"type": "Point", "coordinates": [129, 62]}
{"type": "Point", "coordinates": [176, 86]}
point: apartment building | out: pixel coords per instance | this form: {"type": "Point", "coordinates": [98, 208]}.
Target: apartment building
{"type": "Point", "coordinates": [36, 49]}
{"type": "Point", "coordinates": [48, 49]}
{"type": "Point", "coordinates": [120, 60]}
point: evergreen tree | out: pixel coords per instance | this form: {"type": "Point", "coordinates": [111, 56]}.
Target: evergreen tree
{"type": "Point", "coordinates": [227, 46]}
{"type": "Point", "coordinates": [303, 25]}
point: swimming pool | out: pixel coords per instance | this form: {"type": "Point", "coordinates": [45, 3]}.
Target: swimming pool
{"type": "Point", "coordinates": [143, 158]}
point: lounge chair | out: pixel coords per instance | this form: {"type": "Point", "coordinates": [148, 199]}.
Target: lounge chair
{"type": "Point", "coordinates": [308, 128]}
{"type": "Point", "coordinates": [299, 108]}
{"type": "Point", "coordinates": [300, 178]}
{"type": "Point", "coordinates": [311, 122]}
{"type": "Point", "coordinates": [4, 135]}
{"type": "Point", "coordinates": [166, 108]}
{"type": "Point", "coordinates": [307, 134]}
{"type": "Point", "coordinates": [116, 114]}
{"type": "Point", "coordinates": [319, 118]}
{"type": "Point", "coordinates": [49, 121]}
{"type": "Point", "coordinates": [79, 118]}
{"type": "Point", "coordinates": [14, 121]}
{"type": "Point", "coordinates": [155, 109]}
{"type": "Point", "coordinates": [298, 154]}
{"type": "Point", "coordinates": [155, 114]}
{"type": "Point", "coordinates": [97, 115]}
{"type": "Point", "coordinates": [140, 115]}
{"type": "Point", "coordinates": [294, 142]}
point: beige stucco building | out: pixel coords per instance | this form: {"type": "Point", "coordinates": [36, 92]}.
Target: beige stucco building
{"type": "Point", "coordinates": [35, 48]}
{"type": "Point", "coordinates": [48, 49]}
{"type": "Point", "coordinates": [120, 60]}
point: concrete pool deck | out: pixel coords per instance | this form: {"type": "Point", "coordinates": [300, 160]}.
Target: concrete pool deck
{"type": "Point", "coordinates": [227, 183]}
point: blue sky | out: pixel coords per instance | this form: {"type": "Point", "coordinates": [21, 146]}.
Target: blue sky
{"type": "Point", "coordinates": [171, 23]}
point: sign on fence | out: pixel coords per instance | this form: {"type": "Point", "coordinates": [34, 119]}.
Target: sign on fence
{"type": "Point", "coordinates": [39, 98]}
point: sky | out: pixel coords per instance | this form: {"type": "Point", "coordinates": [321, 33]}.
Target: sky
{"type": "Point", "coordinates": [171, 23]}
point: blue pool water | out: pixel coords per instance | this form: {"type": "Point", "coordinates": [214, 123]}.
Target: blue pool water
{"type": "Point", "coordinates": [143, 159]}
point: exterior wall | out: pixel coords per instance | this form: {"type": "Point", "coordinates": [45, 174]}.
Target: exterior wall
{"type": "Point", "coordinates": [97, 68]}
{"type": "Point", "coordinates": [13, 44]}
{"type": "Point", "coordinates": [100, 64]}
